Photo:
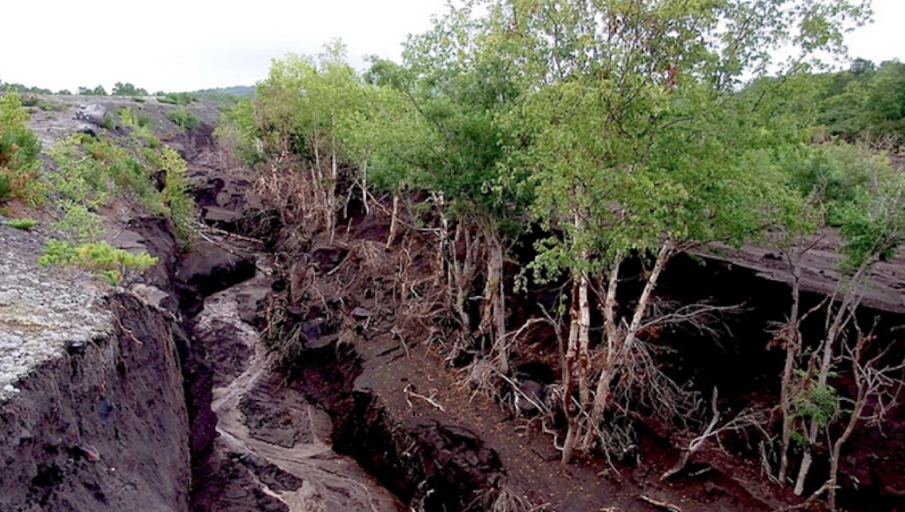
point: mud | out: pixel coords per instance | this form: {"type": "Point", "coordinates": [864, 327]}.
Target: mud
{"type": "Point", "coordinates": [274, 447]}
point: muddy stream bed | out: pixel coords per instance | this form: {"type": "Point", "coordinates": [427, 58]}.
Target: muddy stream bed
{"type": "Point", "coordinates": [273, 451]}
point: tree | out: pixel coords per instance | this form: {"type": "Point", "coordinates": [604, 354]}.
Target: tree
{"type": "Point", "coordinates": [97, 91]}
{"type": "Point", "coordinates": [642, 148]}
{"type": "Point", "coordinates": [849, 187]}
{"type": "Point", "coordinates": [297, 113]}
{"type": "Point", "coordinates": [860, 66]}
{"type": "Point", "coordinates": [455, 87]}
{"type": "Point", "coordinates": [127, 89]}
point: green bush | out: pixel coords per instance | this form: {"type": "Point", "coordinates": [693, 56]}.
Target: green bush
{"type": "Point", "coordinates": [135, 118]}
{"type": "Point", "coordinates": [6, 187]}
{"type": "Point", "coordinates": [184, 119]}
{"type": "Point", "coordinates": [177, 98]}
{"type": "Point", "coordinates": [93, 171]}
{"type": "Point", "coordinates": [19, 149]}
{"type": "Point", "coordinates": [100, 258]}
{"type": "Point", "coordinates": [30, 101]}
{"type": "Point", "coordinates": [23, 224]}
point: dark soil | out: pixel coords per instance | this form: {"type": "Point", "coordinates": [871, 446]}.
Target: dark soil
{"type": "Point", "coordinates": [103, 428]}
{"type": "Point", "coordinates": [397, 403]}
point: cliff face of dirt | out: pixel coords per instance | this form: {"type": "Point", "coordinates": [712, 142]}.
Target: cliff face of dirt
{"type": "Point", "coordinates": [104, 399]}
{"type": "Point", "coordinates": [102, 426]}
{"type": "Point", "coordinates": [92, 409]}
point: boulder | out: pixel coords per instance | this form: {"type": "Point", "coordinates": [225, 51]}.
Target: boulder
{"type": "Point", "coordinates": [94, 114]}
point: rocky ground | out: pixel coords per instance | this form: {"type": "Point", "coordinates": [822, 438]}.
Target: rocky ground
{"type": "Point", "coordinates": [43, 311]}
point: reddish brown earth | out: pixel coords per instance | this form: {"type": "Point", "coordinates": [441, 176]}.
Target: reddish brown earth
{"type": "Point", "coordinates": [396, 367]}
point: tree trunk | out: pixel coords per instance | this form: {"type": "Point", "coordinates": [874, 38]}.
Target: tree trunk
{"type": "Point", "coordinates": [569, 362]}
{"type": "Point", "coordinates": [364, 187]}
{"type": "Point", "coordinates": [584, 342]}
{"type": "Point", "coordinates": [331, 187]}
{"type": "Point", "coordinates": [394, 223]}
{"type": "Point", "coordinates": [839, 320]}
{"type": "Point", "coordinates": [622, 348]}
{"type": "Point", "coordinates": [837, 446]}
{"type": "Point", "coordinates": [612, 340]}
{"type": "Point", "coordinates": [793, 348]}
{"type": "Point", "coordinates": [497, 298]}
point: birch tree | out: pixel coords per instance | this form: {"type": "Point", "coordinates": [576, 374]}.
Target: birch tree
{"type": "Point", "coordinates": [642, 147]}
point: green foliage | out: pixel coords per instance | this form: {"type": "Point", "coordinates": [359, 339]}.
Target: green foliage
{"type": "Point", "coordinates": [238, 127]}
{"type": "Point", "coordinates": [6, 186]}
{"type": "Point", "coordinates": [23, 224]}
{"type": "Point", "coordinates": [813, 401]}
{"type": "Point", "coordinates": [177, 98]}
{"type": "Point", "coordinates": [30, 101]}
{"type": "Point", "coordinates": [134, 119]}
{"type": "Point", "coordinates": [141, 124]}
{"type": "Point", "coordinates": [865, 101]}
{"type": "Point", "coordinates": [97, 91]}
{"type": "Point", "coordinates": [23, 89]}
{"type": "Point", "coordinates": [19, 149]}
{"type": "Point", "coordinates": [79, 222]}
{"type": "Point", "coordinates": [127, 89]}
{"type": "Point", "coordinates": [100, 258]}
{"type": "Point", "coordinates": [184, 119]}
{"type": "Point", "coordinates": [176, 195]}
{"type": "Point", "coordinates": [93, 172]}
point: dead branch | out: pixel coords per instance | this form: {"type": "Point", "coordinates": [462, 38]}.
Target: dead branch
{"type": "Point", "coordinates": [659, 504]}
{"type": "Point", "coordinates": [744, 420]}
{"type": "Point", "coordinates": [702, 317]}
{"type": "Point", "coordinates": [409, 393]}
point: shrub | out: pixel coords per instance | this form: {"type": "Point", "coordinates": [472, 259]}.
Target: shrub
{"type": "Point", "coordinates": [177, 98]}
{"type": "Point", "coordinates": [92, 171]}
{"type": "Point", "coordinates": [23, 224]}
{"type": "Point", "coordinates": [134, 119]}
{"type": "Point", "coordinates": [6, 187]}
{"type": "Point", "coordinates": [100, 258]}
{"type": "Point", "coordinates": [184, 119]}
{"type": "Point", "coordinates": [80, 223]}
{"type": "Point", "coordinates": [19, 149]}
{"type": "Point", "coordinates": [30, 101]}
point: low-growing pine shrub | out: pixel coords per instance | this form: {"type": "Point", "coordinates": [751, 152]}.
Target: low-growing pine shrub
{"type": "Point", "coordinates": [100, 258]}
{"type": "Point", "coordinates": [23, 224]}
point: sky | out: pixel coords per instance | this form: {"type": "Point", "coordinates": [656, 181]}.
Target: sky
{"type": "Point", "coordinates": [184, 45]}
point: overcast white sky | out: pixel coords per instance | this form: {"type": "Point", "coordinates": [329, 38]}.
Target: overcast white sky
{"type": "Point", "coordinates": [178, 45]}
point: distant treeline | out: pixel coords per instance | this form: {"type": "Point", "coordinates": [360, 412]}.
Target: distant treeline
{"type": "Point", "coordinates": [865, 101]}
{"type": "Point", "coordinates": [128, 89]}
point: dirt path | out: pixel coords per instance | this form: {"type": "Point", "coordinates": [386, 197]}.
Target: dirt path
{"type": "Point", "coordinates": [282, 440]}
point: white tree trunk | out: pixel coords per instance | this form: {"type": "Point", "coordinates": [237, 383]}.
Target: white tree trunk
{"type": "Point", "coordinates": [497, 296]}
{"type": "Point", "coordinates": [793, 347]}
{"type": "Point", "coordinates": [622, 347]}
{"type": "Point", "coordinates": [394, 223]}
{"type": "Point", "coordinates": [839, 320]}
{"type": "Point", "coordinates": [569, 369]}
{"type": "Point", "coordinates": [331, 187]}
{"type": "Point", "coordinates": [364, 187]}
